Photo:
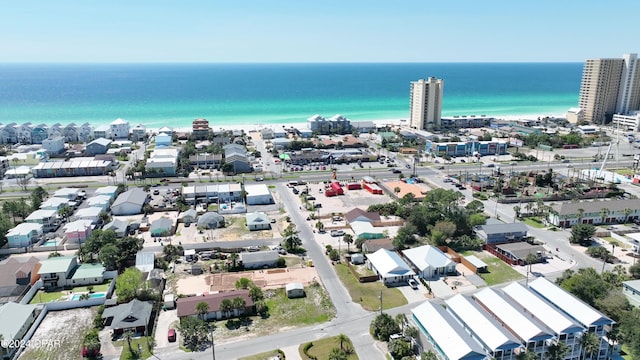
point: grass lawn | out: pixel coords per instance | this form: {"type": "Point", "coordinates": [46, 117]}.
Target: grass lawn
{"type": "Point", "coordinates": [367, 293]}
{"type": "Point", "coordinates": [534, 222]}
{"type": "Point", "coordinates": [499, 271]}
{"type": "Point", "coordinates": [315, 308]}
{"type": "Point", "coordinates": [619, 244]}
{"type": "Point", "coordinates": [42, 297]}
{"type": "Point", "coordinates": [142, 341]}
{"type": "Point", "coordinates": [321, 348]}
{"type": "Point", "coordinates": [262, 356]}
{"type": "Point", "coordinates": [96, 288]}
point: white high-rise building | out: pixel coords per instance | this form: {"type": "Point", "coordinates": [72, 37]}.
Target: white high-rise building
{"type": "Point", "coordinates": [609, 86]}
{"type": "Point", "coordinates": [629, 93]}
{"type": "Point", "coordinates": [426, 103]}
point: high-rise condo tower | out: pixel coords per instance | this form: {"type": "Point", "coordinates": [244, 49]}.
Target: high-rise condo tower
{"type": "Point", "coordinates": [426, 103]}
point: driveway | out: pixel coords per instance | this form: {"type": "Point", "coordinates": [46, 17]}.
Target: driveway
{"type": "Point", "coordinates": [413, 296]}
{"type": "Point", "coordinates": [165, 319]}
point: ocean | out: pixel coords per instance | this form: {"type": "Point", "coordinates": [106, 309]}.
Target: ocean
{"type": "Point", "coordinates": [245, 94]}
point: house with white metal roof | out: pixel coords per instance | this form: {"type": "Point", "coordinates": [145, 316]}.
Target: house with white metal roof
{"type": "Point", "coordinates": [258, 194]}
{"type": "Point", "coordinates": [54, 203]}
{"type": "Point", "coordinates": [365, 230]}
{"type": "Point", "coordinates": [24, 235]}
{"type": "Point", "coordinates": [99, 201]}
{"type": "Point", "coordinates": [89, 213]}
{"type": "Point", "coordinates": [564, 328]}
{"type": "Point", "coordinates": [78, 231]}
{"type": "Point", "coordinates": [106, 190]}
{"type": "Point", "coordinates": [430, 261]}
{"type": "Point", "coordinates": [47, 218]}
{"type": "Point", "coordinates": [523, 327]}
{"type": "Point", "coordinates": [145, 261]}
{"type": "Point", "coordinates": [259, 259]}
{"type": "Point", "coordinates": [447, 336]}
{"type": "Point", "coordinates": [257, 221]}
{"type": "Point", "coordinates": [389, 266]}
{"type": "Point", "coordinates": [494, 338]}
{"type": "Point", "coordinates": [68, 193]}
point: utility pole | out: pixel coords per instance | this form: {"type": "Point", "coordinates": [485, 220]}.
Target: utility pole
{"type": "Point", "coordinates": [380, 297]}
{"type": "Point", "coordinates": [213, 348]}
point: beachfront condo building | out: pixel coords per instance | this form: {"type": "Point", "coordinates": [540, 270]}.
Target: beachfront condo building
{"type": "Point", "coordinates": [426, 104]}
{"type": "Point", "coordinates": [610, 86]}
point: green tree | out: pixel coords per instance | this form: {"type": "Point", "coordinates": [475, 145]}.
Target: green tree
{"type": "Point", "coordinates": [399, 348]}
{"type": "Point", "coordinates": [383, 326]}
{"type": "Point", "coordinates": [129, 284]}
{"type": "Point", "coordinates": [109, 255]}
{"type": "Point", "coordinates": [527, 355]}
{"type": "Point", "coordinates": [582, 233]}
{"type": "Point", "coordinates": [342, 338]}
{"type": "Point", "coordinates": [243, 283]}
{"type": "Point", "coordinates": [65, 212]}
{"type": "Point", "coordinates": [256, 294]}
{"type": "Point", "coordinates": [557, 351]}
{"type": "Point", "coordinates": [194, 332]}
{"type": "Point", "coordinates": [348, 239]}
{"type": "Point", "coordinates": [337, 354]}
{"type": "Point", "coordinates": [430, 355]}
{"type": "Point", "coordinates": [226, 307]}
{"type": "Point", "coordinates": [291, 240]}
{"type": "Point", "coordinates": [37, 196]}
{"type": "Point", "coordinates": [128, 336]}
{"type": "Point", "coordinates": [202, 308]}
{"type": "Point", "coordinates": [477, 219]}
{"type": "Point", "coordinates": [590, 344]}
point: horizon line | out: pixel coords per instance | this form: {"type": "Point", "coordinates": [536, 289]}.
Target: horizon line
{"type": "Point", "coordinates": [273, 62]}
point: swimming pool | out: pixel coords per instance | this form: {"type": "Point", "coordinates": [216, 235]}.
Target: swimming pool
{"type": "Point", "coordinates": [50, 243]}
{"type": "Point", "coordinates": [76, 297]}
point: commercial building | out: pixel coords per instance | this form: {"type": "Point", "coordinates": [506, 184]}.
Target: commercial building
{"type": "Point", "coordinates": [595, 212]}
{"type": "Point", "coordinates": [258, 194]}
{"type": "Point", "coordinates": [464, 121]}
{"type": "Point", "coordinates": [627, 122]}
{"type": "Point", "coordinates": [466, 148]}
{"type": "Point", "coordinates": [610, 86]}
{"type": "Point", "coordinates": [73, 167]}
{"type": "Point", "coordinates": [259, 259]}
{"type": "Point", "coordinates": [212, 193]}
{"type": "Point", "coordinates": [426, 104]}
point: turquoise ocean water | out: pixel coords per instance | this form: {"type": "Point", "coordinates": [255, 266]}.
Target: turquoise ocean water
{"type": "Point", "coordinates": [236, 94]}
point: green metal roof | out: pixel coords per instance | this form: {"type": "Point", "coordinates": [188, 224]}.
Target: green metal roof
{"type": "Point", "coordinates": [86, 271]}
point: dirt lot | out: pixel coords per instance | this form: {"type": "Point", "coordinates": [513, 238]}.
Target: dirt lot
{"type": "Point", "coordinates": [66, 344]}
{"type": "Point", "coordinates": [266, 279]}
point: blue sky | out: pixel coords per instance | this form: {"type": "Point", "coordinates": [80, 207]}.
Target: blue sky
{"type": "Point", "coordinates": [317, 31]}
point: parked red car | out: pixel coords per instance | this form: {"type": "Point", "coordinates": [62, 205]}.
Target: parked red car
{"type": "Point", "coordinates": [172, 335]}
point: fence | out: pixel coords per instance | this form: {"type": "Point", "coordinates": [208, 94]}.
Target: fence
{"type": "Point", "coordinates": [362, 279]}
{"type": "Point", "coordinates": [492, 250]}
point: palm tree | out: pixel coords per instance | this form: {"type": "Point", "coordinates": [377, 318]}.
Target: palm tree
{"type": "Point", "coordinates": [627, 212]}
{"type": "Point", "coordinates": [239, 304]}
{"type": "Point", "coordinates": [319, 226]}
{"type": "Point", "coordinates": [128, 335]}
{"type": "Point", "coordinates": [396, 190]}
{"type": "Point", "coordinates": [517, 211]}
{"type": "Point", "coordinates": [234, 259]}
{"type": "Point", "coordinates": [337, 354]}
{"type": "Point", "coordinates": [401, 320]}
{"type": "Point", "coordinates": [342, 338]}
{"type": "Point", "coordinates": [580, 215]}
{"type": "Point", "coordinates": [202, 308]}
{"type": "Point", "coordinates": [527, 355]}
{"type": "Point", "coordinates": [590, 344]}
{"type": "Point", "coordinates": [557, 351]}
{"type": "Point", "coordinates": [604, 212]}
{"type": "Point", "coordinates": [226, 307]}
{"type": "Point", "coordinates": [65, 211]}
{"type": "Point", "coordinates": [348, 238]}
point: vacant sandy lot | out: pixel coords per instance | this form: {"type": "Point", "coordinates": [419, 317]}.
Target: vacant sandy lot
{"type": "Point", "coordinates": [266, 279]}
{"type": "Point", "coordinates": [63, 331]}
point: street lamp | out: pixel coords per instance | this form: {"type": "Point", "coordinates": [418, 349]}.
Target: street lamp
{"type": "Point", "coordinates": [213, 348]}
